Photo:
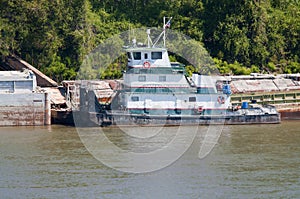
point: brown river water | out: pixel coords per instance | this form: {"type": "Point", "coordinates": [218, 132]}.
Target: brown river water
{"type": "Point", "coordinates": [254, 161]}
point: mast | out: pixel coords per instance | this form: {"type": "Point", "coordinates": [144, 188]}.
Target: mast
{"type": "Point", "coordinates": [149, 41]}
{"type": "Point", "coordinates": [166, 25]}
{"type": "Point", "coordinates": [164, 21]}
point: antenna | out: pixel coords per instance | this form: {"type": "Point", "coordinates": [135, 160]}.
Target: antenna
{"type": "Point", "coordinates": [149, 39]}
{"type": "Point", "coordinates": [129, 35]}
{"type": "Point", "coordinates": [134, 42]}
{"type": "Point", "coordinates": [134, 39]}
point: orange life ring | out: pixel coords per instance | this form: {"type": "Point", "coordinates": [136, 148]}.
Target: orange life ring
{"type": "Point", "coordinates": [221, 100]}
{"type": "Point", "coordinates": [146, 64]}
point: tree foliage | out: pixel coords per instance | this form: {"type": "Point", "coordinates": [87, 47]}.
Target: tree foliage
{"type": "Point", "coordinates": [242, 36]}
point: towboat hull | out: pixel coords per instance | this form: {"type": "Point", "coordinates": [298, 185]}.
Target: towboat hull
{"type": "Point", "coordinates": [84, 119]}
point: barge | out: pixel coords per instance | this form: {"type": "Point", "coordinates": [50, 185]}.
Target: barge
{"type": "Point", "coordinates": [156, 92]}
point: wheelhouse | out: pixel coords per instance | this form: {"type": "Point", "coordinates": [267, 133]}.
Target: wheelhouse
{"type": "Point", "coordinates": [147, 57]}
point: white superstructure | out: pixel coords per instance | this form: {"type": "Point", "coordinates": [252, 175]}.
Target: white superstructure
{"type": "Point", "coordinates": [153, 87]}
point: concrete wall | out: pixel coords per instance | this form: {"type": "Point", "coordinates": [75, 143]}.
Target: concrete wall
{"type": "Point", "coordinates": [18, 109]}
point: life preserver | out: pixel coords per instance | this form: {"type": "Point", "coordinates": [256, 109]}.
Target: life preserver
{"type": "Point", "coordinates": [146, 64]}
{"type": "Point", "coordinates": [200, 109]}
{"type": "Point", "coordinates": [221, 100]}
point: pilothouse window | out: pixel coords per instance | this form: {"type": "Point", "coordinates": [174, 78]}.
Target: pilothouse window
{"type": "Point", "coordinates": [156, 55]}
{"type": "Point", "coordinates": [137, 55]}
{"type": "Point", "coordinates": [129, 55]}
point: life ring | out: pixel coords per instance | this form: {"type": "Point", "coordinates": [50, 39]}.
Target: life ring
{"type": "Point", "coordinates": [146, 64]}
{"type": "Point", "coordinates": [200, 109]}
{"type": "Point", "coordinates": [221, 100]}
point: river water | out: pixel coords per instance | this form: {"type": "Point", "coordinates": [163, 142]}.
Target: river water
{"type": "Point", "coordinates": [254, 161]}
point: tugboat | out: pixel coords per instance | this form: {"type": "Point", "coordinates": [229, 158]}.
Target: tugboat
{"type": "Point", "coordinates": [157, 92]}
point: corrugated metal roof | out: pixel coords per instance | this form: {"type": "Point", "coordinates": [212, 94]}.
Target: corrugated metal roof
{"type": "Point", "coordinates": [247, 86]}
{"type": "Point", "coordinates": [16, 63]}
{"type": "Point", "coordinates": [56, 96]}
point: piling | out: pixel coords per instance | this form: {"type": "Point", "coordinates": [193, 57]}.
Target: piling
{"type": "Point", "coordinates": [47, 110]}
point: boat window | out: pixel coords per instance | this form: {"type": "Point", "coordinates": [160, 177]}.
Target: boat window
{"type": "Point", "coordinates": [135, 98]}
{"type": "Point", "coordinates": [192, 99]}
{"type": "Point", "coordinates": [129, 55]}
{"type": "Point", "coordinates": [162, 78]}
{"type": "Point", "coordinates": [142, 78]}
{"type": "Point", "coordinates": [23, 84]}
{"type": "Point", "coordinates": [156, 55]}
{"type": "Point", "coordinates": [206, 90]}
{"type": "Point", "coordinates": [137, 55]}
{"type": "Point", "coordinates": [146, 55]}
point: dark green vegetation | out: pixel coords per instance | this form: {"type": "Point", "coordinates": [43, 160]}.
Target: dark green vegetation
{"type": "Point", "coordinates": [242, 36]}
